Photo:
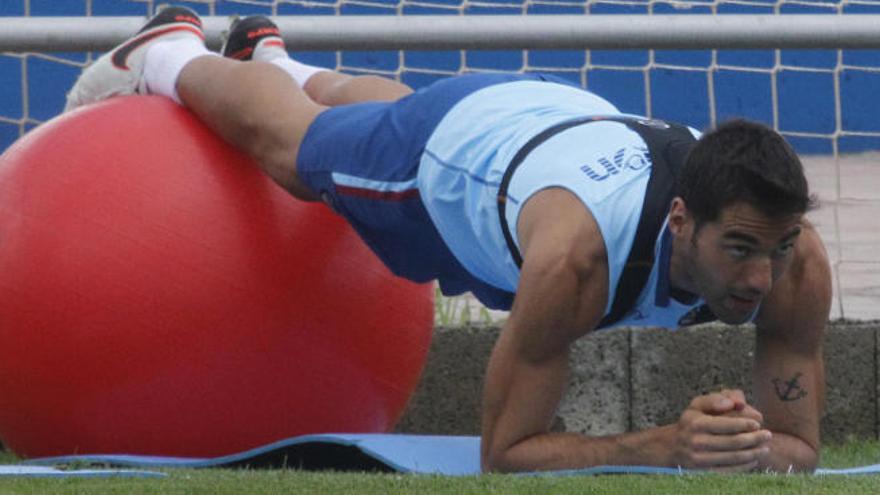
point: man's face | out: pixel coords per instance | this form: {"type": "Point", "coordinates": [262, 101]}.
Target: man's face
{"type": "Point", "coordinates": [733, 262]}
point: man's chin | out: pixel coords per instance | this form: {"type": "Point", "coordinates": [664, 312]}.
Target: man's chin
{"type": "Point", "coordinates": [730, 317]}
{"type": "Point", "coordinates": [734, 320]}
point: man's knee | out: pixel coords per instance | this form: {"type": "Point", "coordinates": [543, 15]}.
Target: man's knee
{"type": "Point", "coordinates": [271, 136]}
{"type": "Point", "coordinates": [259, 92]}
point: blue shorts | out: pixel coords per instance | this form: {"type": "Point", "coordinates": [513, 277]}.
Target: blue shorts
{"type": "Point", "coordinates": [363, 159]}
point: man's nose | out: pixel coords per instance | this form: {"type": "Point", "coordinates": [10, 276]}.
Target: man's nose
{"type": "Point", "coordinates": [759, 278]}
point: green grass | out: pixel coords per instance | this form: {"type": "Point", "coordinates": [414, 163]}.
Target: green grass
{"type": "Point", "coordinates": [852, 453]}
{"type": "Point", "coordinates": [273, 482]}
{"type": "Point", "coordinates": [223, 482]}
{"type": "Point", "coordinates": [459, 311]}
{"type": "Point", "coordinates": [289, 481]}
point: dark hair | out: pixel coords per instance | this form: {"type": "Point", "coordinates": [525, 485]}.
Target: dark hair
{"type": "Point", "coordinates": [743, 161]}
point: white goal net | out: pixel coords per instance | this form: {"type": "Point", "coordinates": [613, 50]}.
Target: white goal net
{"type": "Point", "coordinates": [823, 100]}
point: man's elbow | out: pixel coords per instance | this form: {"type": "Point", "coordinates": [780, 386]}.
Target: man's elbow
{"type": "Point", "coordinates": [793, 455]}
{"type": "Point", "coordinates": [802, 465]}
{"type": "Point", "coordinates": [808, 457]}
{"type": "Point", "coordinates": [809, 461]}
{"type": "Point", "coordinates": [496, 460]}
{"type": "Point", "coordinates": [506, 458]}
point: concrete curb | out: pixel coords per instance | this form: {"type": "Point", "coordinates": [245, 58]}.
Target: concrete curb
{"type": "Point", "coordinates": [630, 379]}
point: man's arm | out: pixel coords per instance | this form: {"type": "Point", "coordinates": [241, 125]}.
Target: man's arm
{"type": "Point", "coordinates": [789, 372]}
{"type": "Point", "coordinates": [562, 295]}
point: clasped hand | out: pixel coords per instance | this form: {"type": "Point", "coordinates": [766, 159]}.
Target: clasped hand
{"type": "Point", "coordinates": [720, 432]}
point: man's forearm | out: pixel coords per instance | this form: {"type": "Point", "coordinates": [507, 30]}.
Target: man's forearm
{"type": "Point", "coordinates": [789, 453]}
{"type": "Point", "coordinates": [553, 451]}
{"type": "Point", "coordinates": [706, 436]}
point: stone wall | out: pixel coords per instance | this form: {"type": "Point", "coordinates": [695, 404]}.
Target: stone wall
{"type": "Point", "coordinates": [630, 379]}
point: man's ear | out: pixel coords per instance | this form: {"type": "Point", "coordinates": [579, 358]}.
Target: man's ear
{"type": "Point", "coordinates": [679, 216]}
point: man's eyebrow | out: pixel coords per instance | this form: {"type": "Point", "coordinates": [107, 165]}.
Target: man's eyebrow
{"type": "Point", "coordinates": [796, 231]}
{"type": "Point", "coordinates": [735, 235]}
{"type": "Point", "coordinates": [750, 239]}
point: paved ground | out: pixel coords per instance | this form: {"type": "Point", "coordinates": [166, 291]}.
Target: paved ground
{"type": "Point", "coordinates": [849, 220]}
{"type": "Point", "coordinates": [848, 217]}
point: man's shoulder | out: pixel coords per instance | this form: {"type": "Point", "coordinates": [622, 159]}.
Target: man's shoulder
{"type": "Point", "coordinates": [810, 264]}
{"type": "Point", "coordinates": [557, 219]}
{"type": "Point", "coordinates": [803, 293]}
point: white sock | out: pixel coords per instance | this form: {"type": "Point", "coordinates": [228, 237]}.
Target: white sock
{"type": "Point", "coordinates": [299, 71]}
{"type": "Point", "coordinates": [165, 61]}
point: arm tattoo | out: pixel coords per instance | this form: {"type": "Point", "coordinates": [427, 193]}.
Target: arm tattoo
{"type": "Point", "coordinates": [789, 390]}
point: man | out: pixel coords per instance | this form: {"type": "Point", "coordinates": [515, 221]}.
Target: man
{"type": "Point", "coordinates": [517, 184]}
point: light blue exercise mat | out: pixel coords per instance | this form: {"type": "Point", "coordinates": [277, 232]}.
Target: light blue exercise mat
{"type": "Point", "coordinates": [446, 455]}
{"type": "Point", "coordinates": [29, 471]}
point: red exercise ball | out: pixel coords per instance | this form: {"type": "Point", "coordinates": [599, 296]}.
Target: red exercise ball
{"type": "Point", "coordinates": [160, 295]}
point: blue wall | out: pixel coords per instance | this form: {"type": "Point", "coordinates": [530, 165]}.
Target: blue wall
{"type": "Point", "coordinates": [806, 102]}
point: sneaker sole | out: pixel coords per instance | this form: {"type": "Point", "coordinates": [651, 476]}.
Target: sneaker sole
{"type": "Point", "coordinates": [120, 56]}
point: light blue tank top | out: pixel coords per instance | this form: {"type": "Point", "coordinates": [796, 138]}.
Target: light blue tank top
{"type": "Point", "coordinates": [605, 164]}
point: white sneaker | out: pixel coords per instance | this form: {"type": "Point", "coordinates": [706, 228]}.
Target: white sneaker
{"type": "Point", "coordinates": [120, 72]}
